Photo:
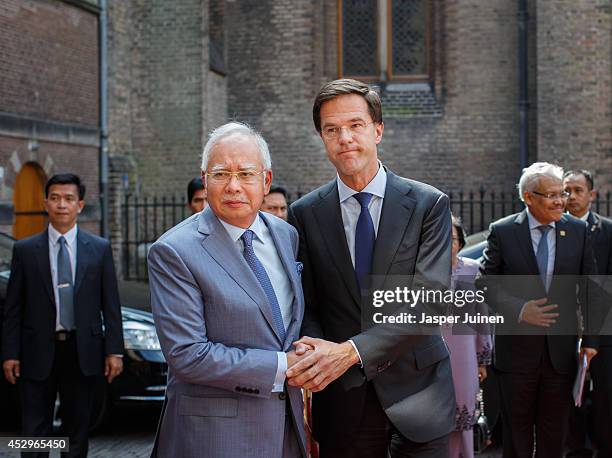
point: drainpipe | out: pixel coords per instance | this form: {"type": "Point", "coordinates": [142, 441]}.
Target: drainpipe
{"type": "Point", "coordinates": [523, 96]}
{"type": "Point", "coordinates": [104, 230]}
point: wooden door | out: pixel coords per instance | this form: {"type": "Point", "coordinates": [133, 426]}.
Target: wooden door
{"type": "Point", "coordinates": [28, 198]}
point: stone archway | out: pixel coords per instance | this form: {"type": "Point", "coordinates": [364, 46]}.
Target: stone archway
{"type": "Point", "coordinates": [28, 199]}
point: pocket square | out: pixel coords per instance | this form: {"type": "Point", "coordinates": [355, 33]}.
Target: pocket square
{"type": "Point", "coordinates": [299, 267]}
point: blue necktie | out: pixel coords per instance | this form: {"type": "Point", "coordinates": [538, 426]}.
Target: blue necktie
{"type": "Point", "coordinates": [65, 287]}
{"type": "Point", "coordinates": [364, 238]}
{"type": "Point", "coordinates": [542, 253]}
{"type": "Point", "coordinates": [259, 271]}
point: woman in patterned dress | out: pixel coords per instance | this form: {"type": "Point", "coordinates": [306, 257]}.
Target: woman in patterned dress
{"type": "Point", "coordinates": [470, 348]}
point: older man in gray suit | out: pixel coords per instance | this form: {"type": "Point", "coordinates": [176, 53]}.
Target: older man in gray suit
{"type": "Point", "coordinates": [227, 301]}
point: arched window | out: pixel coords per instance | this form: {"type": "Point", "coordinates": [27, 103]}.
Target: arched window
{"type": "Point", "coordinates": [384, 40]}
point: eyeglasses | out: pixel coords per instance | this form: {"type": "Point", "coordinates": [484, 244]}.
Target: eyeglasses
{"type": "Point", "coordinates": [552, 196]}
{"type": "Point", "coordinates": [356, 128]}
{"type": "Point", "coordinates": [224, 176]}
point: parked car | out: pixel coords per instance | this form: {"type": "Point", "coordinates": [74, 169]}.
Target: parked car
{"type": "Point", "coordinates": [474, 245]}
{"type": "Point", "coordinates": [143, 381]}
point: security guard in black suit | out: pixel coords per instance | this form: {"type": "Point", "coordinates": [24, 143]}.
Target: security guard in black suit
{"type": "Point", "coordinates": [62, 318]}
{"type": "Point", "coordinates": [580, 185]}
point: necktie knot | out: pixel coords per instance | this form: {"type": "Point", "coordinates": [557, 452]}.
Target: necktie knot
{"type": "Point", "coordinates": [247, 238]}
{"type": "Point", "coordinates": [544, 228]}
{"type": "Point", "coordinates": [363, 198]}
{"type": "Point", "coordinates": [62, 240]}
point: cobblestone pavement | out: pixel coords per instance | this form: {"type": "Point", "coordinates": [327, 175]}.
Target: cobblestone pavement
{"type": "Point", "coordinates": [130, 434]}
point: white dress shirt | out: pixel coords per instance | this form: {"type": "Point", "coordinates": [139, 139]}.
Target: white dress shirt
{"type": "Point", "coordinates": [54, 247]}
{"type": "Point", "coordinates": [351, 209]}
{"type": "Point", "coordinates": [265, 250]}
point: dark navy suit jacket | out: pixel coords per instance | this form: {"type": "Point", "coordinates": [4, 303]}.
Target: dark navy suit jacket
{"type": "Point", "coordinates": [410, 373]}
{"type": "Point", "coordinates": [30, 311]}
{"type": "Point", "coordinates": [510, 272]}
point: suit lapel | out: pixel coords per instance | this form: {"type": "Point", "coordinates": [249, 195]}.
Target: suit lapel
{"type": "Point", "coordinates": [42, 259]}
{"type": "Point", "coordinates": [329, 216]}
{"type": "Point", "coordinates": [394, 219]}
{"type": "Point", "coordinates": [523, 236]}
{"type": "Point", "coordinates": [285, 253]}
{"type": "Point", "coordinates": [562, 244]}
{"type": "Point", "coordinates": [81, 259]}
{"type": "Point", "coordinates": [220, 247]}
{"type": "Point", "coordinates": [592, 220]}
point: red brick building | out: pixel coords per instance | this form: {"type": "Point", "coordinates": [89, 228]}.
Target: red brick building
{"type": "Point", "coordinates": [49, 106]}
{"type": "Point", "coordinates": [448, 73]}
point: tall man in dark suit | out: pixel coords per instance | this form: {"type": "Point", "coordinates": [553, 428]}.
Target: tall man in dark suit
{"type": "Point", "coordinates": [531, 268]}
{"type": "Point", "coordinates": [581, 188]}
{"type": "Point", "coordinates": [375, 392]}
{"type": "Point", "coordinates": [54, 338]}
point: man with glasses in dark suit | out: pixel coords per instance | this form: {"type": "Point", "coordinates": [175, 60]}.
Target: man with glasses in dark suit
{"type": "Point", "coordinates": [376, 391]}
{"type": "Point", "coordinates": [534, 269]}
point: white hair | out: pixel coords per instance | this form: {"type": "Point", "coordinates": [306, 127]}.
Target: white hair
{"type": "Point", "coordinates": [236, 128]}
{"type": "Point", "coordinates": [532, 174]}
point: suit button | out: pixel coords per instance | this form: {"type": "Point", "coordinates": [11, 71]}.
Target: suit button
{"type": "Point", "coordinates": [282, 396]}
{"type": "Point", "coordinates": [238, 389]}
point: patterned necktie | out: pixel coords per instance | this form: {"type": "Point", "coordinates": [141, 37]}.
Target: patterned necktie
{"type": "Point", "coordinates": [259, 271]}
{"type": "Point", "coordinates": [364, 238]}
{"type": "Point", "coordinates": [542, 253]}
{"type": "Point", "coordinates": [65, 287]}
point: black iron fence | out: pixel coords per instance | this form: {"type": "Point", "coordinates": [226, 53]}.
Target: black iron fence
{"type": "Point", "coordinates": [478, 209]}
{"type": "Point", "coordinates": [145, 219]}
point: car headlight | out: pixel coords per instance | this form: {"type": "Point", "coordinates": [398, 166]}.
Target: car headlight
{"type": "Point", "coordinates": [140, 336]}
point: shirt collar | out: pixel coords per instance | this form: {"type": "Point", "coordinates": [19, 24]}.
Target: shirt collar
{"type": "Point", "coordinates": [236, 232]}
{"type": "Point", "coordinates": [534, 223]}
{"type": "Point", "coordinates": [375, 187]}
{"type": "Point", "coordinates": [584, 217]}
{"type": "Point", "coordinates": [70, 236]}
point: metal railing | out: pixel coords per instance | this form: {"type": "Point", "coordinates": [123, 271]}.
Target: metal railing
{"type": "Point", "coordinates": [145, 219]}
{"type": "Point", "coordinates": [478, 209]}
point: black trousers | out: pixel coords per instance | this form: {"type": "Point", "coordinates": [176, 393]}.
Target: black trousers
{"type": "Point", "coordinates": [541, 399]}
{"type": "Point", "coordinates": [378, 438]}
{"type": "Point", "coordinates": [76, 396]}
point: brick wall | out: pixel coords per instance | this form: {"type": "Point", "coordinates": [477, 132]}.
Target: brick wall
{"type": "Point", "coordinates": [49, 97]}
{"type": "Point", "coordinates": [53, 158]}
{"type": "Point", "coordinates": [166, 100]}
{"type": "Point", "coordinates": [575, 85]}
{"type": "Point", "coordinates": [466, 135]}
{"type": "Point", "coordinates": [119, 78]}
{"type": "Point", "coordinates": [49, 55]}
{"type": "Point", "coordinates": [275, 67]}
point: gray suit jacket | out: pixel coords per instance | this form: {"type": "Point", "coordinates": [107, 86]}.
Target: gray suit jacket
{"type": "Point", "coordinates": [411, 373]}
{"type": "Point", "coordinates": [218, 336]}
